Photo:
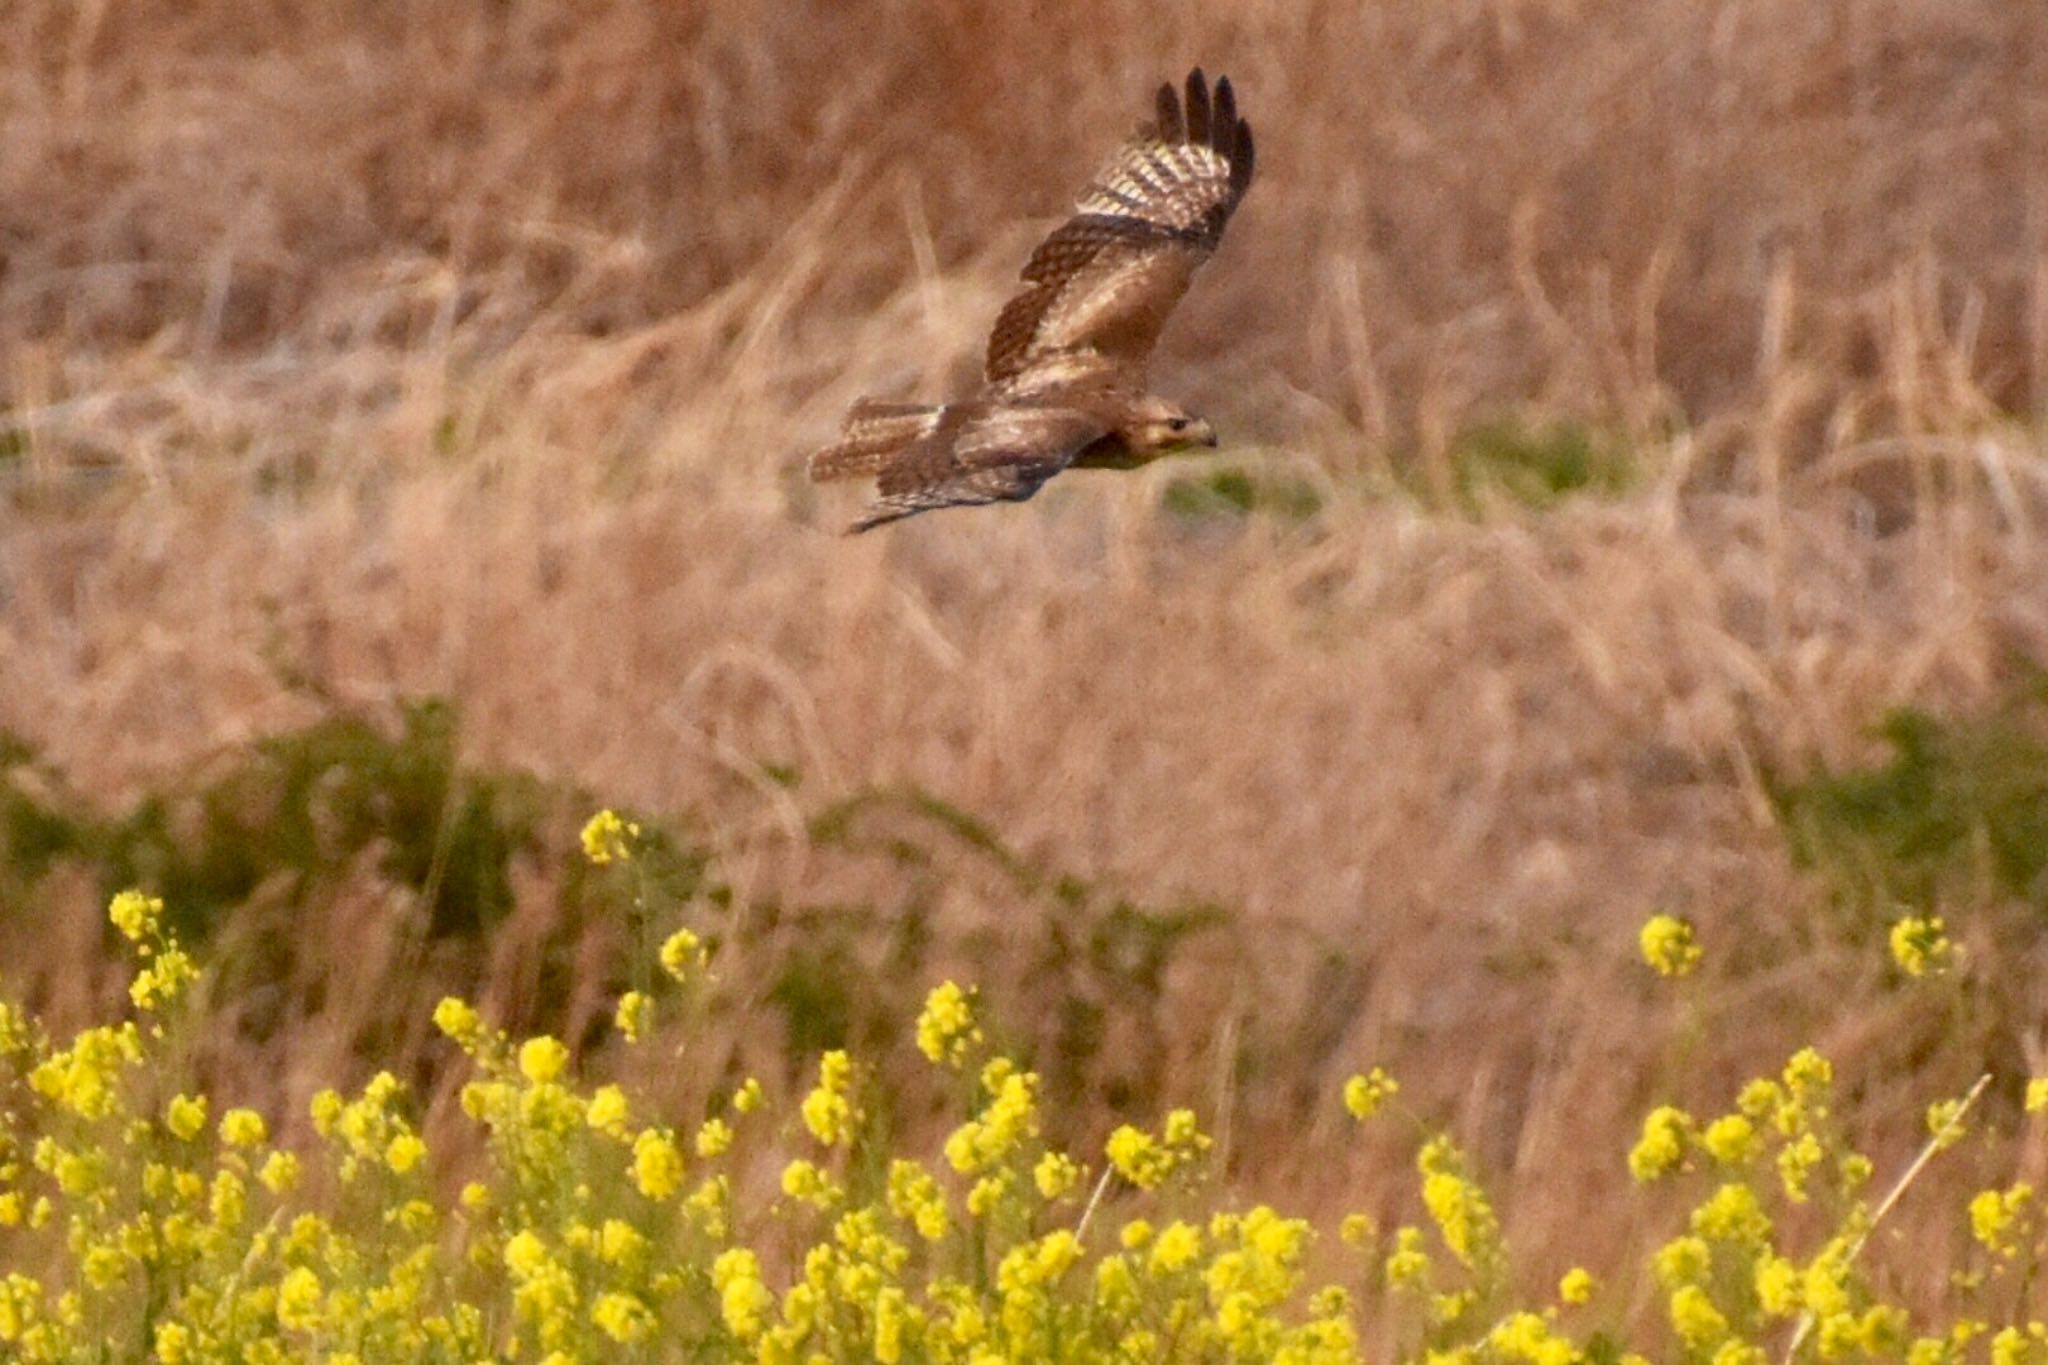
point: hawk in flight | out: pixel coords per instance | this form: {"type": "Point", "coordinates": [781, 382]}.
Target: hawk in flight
{"type": "Point", "coordinates": [1065, 383]}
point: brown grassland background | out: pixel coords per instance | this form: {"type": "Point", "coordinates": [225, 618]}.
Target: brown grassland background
{"type": "Point", "coordinates": [362, 352]}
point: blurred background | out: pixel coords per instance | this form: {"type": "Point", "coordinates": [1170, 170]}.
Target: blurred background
{"type": "Point", "coordinates": [1631, 500]}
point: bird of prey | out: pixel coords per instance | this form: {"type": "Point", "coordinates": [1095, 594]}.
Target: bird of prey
{"type": "Point", "coordinates": [1065, 378]}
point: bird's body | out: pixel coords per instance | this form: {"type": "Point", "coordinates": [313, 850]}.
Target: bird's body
{"type": "Point", "coordinates": [1065, 375]}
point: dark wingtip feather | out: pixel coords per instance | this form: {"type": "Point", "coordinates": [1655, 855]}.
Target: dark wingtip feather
{"type": "Point", "coordinates": [1223, 117]}
{"type": "Point", "coordinates": [1170, 128]}
{"type": "Point", "coordinates": [1241, 160]}
{"type": "Point", "coordinates": [1198, 107]}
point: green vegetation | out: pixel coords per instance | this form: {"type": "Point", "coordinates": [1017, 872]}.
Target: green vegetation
{"type": "Point", "coordinates": [1957, 815]}
{"type": "Point", "coordinates": [1532, 464]}
{"type": "Point", "coordinates": [285, 826]}
{"type": "Point", "coordinates": [1240, 493]}
{"type": "Point", "coordinates": [307, 805]}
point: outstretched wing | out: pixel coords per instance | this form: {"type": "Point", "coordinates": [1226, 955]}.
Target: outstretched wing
{"type": "Point", "coordinates": [1100, 288]}
{"type": "Point", "coordinates": [978, 453]}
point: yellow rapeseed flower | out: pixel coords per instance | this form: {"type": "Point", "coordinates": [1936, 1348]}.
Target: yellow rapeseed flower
{"type": "Point", "coordinates": [173, 1343]}
{"type": "Point", "coordinates": [1796, 1162]}
{"type": "Point", "coordinates": [988, 1194]}
{"type": "Point", "coordinates": [1528, 1337]}
{"type": "Point", "coordinates": [1183, 1133]}
{"type": "Point", "coordinates": [1808, 1076]}
{"type": "Point", "coordinates": [526, 1255]}
{"type": "Point", "coordinates": [1136, 1157]}
{"type": "Point", "coordinates": [1667, 945]}
{"type": "Point", "coordinates": [2037, 1095]}
{"type": "Point", "coordinates": [85, 1077]}
{"type": "Point", "coordinates": [298, 1300]}
{"type": "Point", "coordinates": [1882, 1332]}
{"type": "Point", "coordinates": [280, 1173]}
{"type": "Point", "coordinates": [1363, 1095]}
{"type": "Point", "coordinates": [1731, 1140]}
{"type": "Point", "coordinates": [1408, 1266]}
{"type": "Point", "coordinates": [683, 955]}
{"type": "Point", "coordinates": [164, 980]}
{"type": "Point", "coordinates": [1694, 1317]}
{"type": "Point", "coordinates": [2014, 1346]}
{"type": "Point", "coordinates": [136, 915]}
{"type": "Point", "coordinates": [827, 1111]}
{"type": "Point", "coordinates": [1945, 1122]}
{"type": "Point", "coordinates": [404, 1152]}
{"type": "Point", "coordinates": [657, 1165]}
{"type": "Point", "coordinates": [541, 1059]}
{"type": "Point", "coordinates": [744, 1300]}
{"type": "Point", "coordinates": [1176, 1246]}
{"type": "Point", "coordinates": [1999, 1218]}
{"type": "Point", "coordinates": [458, 1021]}
{"type": "Point", "coordinates": [1463, 1215]}
{"type": "Point", "coordinates": [1055, 1174]}
{"type": "Point", "coordinates": [806, 1182]}
{"type": "Point", "coordinates": [607, 1111]}
{"type": "Point", "coordinates": [1033, 1265]}
{"type": "Point", "coordinates": [946, 1031]}
{"type": "Point", "coordinates": [1780, 1290]}
{"type": "Point", "coordinates": [242, 1128]}
{"type": "Point", "coordinates": [1733, 1214]}
{"type": "Point", "coordinates": [1825, 1287]}
{"type": "Point", "coordinates": [1760, 1099]}
{"type": "Point", "coordinates": [185, 1116]}
{"type": "Point", "coordinates": [608, 838]}
{"type": "Point", "coordinates": [1681, 1261]}
{"type": "Point", "coordinates": [714, 1136]}
{"type": "Point", "coordinates": [633, 1016]}
{"type": "Point", "coordinates": [1921, 946]}
{"type": "Point", "coordinates": [229, 1200]}
{"type": "Point", "coordinates": [1661, 1149]}
{"type": "Point", "coordinates": [914, 1196]}
{"type": "Point", "coordinates": [1739, 1353]}
{"type": "Point", "coordinates": [1577, 1286]}
{"type": "Point", "coordinates": [622, 1317]}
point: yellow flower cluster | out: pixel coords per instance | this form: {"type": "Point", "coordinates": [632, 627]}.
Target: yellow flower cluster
{"type": "Point", "coordinates": [1147, 1161]}
{"type": "Point", "coordinates": [146, 1220]}
{"type": "Point", "coordinates": [1921, 947]}
{"type": "Point", "coordinates": [828, 1110]}
{"type": "Point", "coordinates": [1364, 1095]}
{"type": "Point", "coordinates": [1667, 945]}
{"type": "Point", "coordinates": [2003, 1219]}
{"type": "Point", "coordinates": [607, 838]}
{"type": "Point", "coordinates": [946, 1031]}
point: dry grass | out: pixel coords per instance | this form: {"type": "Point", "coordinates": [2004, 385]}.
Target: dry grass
{"type": "Point", "coordinates": [458, 350]}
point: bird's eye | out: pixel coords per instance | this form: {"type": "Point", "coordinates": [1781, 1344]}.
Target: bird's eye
{"type": "Point", "coordinates": [1176, 424]}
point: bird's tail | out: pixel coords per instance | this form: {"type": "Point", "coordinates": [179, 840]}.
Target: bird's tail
{"type": "Point", "coordinates": [873, 431]}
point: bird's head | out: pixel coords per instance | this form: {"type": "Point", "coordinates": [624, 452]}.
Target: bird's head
{"type": "Point", "coordinates": [1157, 427]}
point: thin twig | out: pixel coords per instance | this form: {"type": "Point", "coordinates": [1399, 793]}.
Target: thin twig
{"type": "Point", "coordinates": [1891, 1199]}
{"type": "Point", "coordinates": [1081, 1228]}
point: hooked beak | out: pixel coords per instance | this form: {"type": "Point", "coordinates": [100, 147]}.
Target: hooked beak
{"type": "Point", "coordinates": [1200, 433]}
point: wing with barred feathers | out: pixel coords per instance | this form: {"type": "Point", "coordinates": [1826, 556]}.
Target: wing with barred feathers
{"type": "Point", "coordinates": [1099, 289]}
{"type": "Point", "coordinates": [979, 452]}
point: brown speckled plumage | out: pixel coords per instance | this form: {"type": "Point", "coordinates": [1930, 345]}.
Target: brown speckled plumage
{"type": "Point", "coordinates": [1066, 359]}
